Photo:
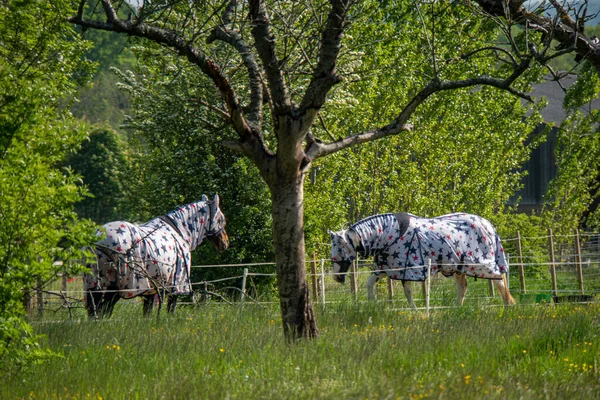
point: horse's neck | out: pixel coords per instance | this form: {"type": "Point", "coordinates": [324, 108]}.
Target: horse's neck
{"type": "Point", "coordinates": [372, 233]}
{"type": "Point", "coordinates": [192, 220]}
{"type": "Point", "coordinates": [352, 238]}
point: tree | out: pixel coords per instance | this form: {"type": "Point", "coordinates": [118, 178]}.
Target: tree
{"type": "Point", "coordinates": [425, 171]}
{"type": "Point", "coordinates": [571, 201]}
{"type": "Point", "coordinates": [102, 163]}
{"type": "Point", "coordinates": [102, 102]}
{"type": "Point", "coordinates": [39, 64]}
{"type": "Point", "coordinates": [291, 57]}
{"type": "Point", "coordinates": [562, 21]}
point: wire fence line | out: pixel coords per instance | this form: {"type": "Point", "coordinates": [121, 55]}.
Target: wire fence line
{"type": "Point", "coordinates": [542, 269]}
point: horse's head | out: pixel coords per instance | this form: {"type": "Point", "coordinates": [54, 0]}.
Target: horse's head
{"type": "Point", "coordinates": [216, 233]}
{"type": "Point", "coordinates": [343, 252]}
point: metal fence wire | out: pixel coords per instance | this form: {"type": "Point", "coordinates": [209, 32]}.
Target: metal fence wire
{"type": "Point", "coordinates": [546, 269]}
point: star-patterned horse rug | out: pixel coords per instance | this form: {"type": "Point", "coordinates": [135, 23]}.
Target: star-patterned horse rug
{"type": "Point", "coordinates": [152, 258]}
{"type": "Point", "coordinates": [402, 244]}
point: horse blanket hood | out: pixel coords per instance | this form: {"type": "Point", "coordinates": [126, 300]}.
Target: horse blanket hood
{"type": "Point", "coordinates": [150, 257]}
{"type": "Point", "coordinates": [456, 243]}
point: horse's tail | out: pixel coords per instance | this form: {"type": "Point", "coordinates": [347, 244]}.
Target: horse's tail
{"type": "Point", "coordinates": [509, 299]}
{"type": "Point", "coordinates": [503, 264]}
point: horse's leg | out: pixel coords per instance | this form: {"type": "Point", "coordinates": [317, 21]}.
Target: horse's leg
{"type": "Point", "coordinates": [93, 298]}
{"type": "Point", "coordinates": [107, 304]}
{"type": "Point", "coordinates": [148, 304]}
{"type": "Point", "coordinates": [502, 287]}
{"type": "Point", "coordinates": [461, 288]}
{"type": "Point", "coordinates": [407, 285]}
{"type": "Point", "coordinates": [171, 303]}
{"type": "Point", "coordinates": [373, 279]}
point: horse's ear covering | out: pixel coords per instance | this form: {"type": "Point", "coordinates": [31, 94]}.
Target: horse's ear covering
{"type": "Point", "coordinates": [216, 200]}
{"type": "Point", "coordinates": [204, 198]}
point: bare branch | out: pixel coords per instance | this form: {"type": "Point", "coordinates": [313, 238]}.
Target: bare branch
{"type": "Point", "coordinates": [170, 39]}
{"type": "Point", "coordinates": [265, 45]}
{"type": "Point", "coordinates": [111, 14]}
{"type": "Point", "coordinates": [325, 76]}
{"type": "Point", "coordinates": [234, 38]}
{"type": "Point", "coordinates": [568, 31]}
{"type": "Point", "coordinates": [401, 124]}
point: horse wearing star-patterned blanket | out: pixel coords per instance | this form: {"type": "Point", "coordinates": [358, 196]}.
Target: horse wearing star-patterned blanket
{"type": "Point", "coordinates": [402, 244]}
{"type": "Point", "coordinates": [152, 258]}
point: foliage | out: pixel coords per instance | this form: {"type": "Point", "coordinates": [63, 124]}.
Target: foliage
{"type": "Point", "coordinates": [39, 63]}
{"type": "Point", "coordinates": [102, 163]}
{"type": "Point", "coordinates": [466, 149]}
{"type": "Point", "coordinates": [365, 351]}
{"type": "Point", "coordinates": [572, 193]}
{"type": "Point", "coordinates": [177, 156]}
{"type": "Point", "coordinates": [102, 102]}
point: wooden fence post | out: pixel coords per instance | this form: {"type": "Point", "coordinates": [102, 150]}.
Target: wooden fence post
{"type": "Point", "coordinates": [552, 262]}
{"type": "Point", "coordinates": [491, 287]}
{"type": "Point", "coordinates": [314, 278]}
{"type": "Point", "coordinates": [353, 285]}
{"type": "Point", "coordinates": [40, 297]}
{"type": "Point", "coordinates": [323, 283]}
{"type": "Point", "coordinates": [428, 287]}
{"type": "Point", "coordinates": [521, 269]}
{"type": "Point", "coordinates": [243, 293]}
{"type": "Point", "coordinates": [579, 269]}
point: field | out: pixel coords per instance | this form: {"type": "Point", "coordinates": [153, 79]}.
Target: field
{"type": "Point", "coordinates": [365, 351]}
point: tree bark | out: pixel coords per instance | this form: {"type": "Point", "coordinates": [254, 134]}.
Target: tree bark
{"type": "Point", "coordinates": [288, 239]}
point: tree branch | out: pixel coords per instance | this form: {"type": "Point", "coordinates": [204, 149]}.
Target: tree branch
{"type": "Point", "coordinates": [324, 75]}
{"type": "Point", "coordinates": [234, 38]}
{"type": "Point", "coordinates": [568, 32]}
{"type": "Point", "coordinates": [265, 45]}
{"type": "Point", "coordinates": [400, 123]}
{"type": "Point", "coordinates": [251, 141]}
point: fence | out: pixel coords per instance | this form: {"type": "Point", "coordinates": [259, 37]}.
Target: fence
{"type": "Point", "coordinates": [542, 269]}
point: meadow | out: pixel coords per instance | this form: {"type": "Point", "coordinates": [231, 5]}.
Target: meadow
{"type": "Point", "coordinates": [364, 351]}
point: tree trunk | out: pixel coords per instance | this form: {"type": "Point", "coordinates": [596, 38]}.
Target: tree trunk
{"type": "Point", "coordinates": [288, 239]}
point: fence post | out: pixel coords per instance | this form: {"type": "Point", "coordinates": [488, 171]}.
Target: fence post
{"type": "Point", "coordinates": [491, 287]}
{"type": "Point", "coordinates": [521, 269]}
{"type": "Point", "coordinates": [390, 286]}
{"type": "Point", "coordinates": [64, 281]}
{"type": "Point", "coordinates": [552, 262]}
{"type": "Point", "coordinates": [244, 276]}
{"type": "Point", "coordinates": [40, 297]}
{"type": "Point", "coordinates": [428, 286]}
{"type": "Point", "coordinates": [579, 269]}
{"type": "Point", "coordinates": [353, 285]}
{"type": "Point", "coordinates": [314, 277]}
{"type": "Point", "coordinates": [323, 283]}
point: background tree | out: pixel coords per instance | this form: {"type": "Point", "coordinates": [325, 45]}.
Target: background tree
{"type": "Point", "coordinates": [103, 165]}
{"type": "Point", "coordinates": [102, 102]}
{"type": "Point", "coordinates": [274, 65]}
{"type": "Point", "coordinates": [572, 195]}
{"type": "Point", "coordinates": [39, 64]}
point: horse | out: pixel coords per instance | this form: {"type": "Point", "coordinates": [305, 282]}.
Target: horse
{"type": "Point", "coordinates": [151, 259]}
{"type": "Point", "coordinates": [458, 245]}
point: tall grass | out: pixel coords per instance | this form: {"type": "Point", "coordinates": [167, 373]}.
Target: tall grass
{"type": "Point", "coordinates": [365, 351]}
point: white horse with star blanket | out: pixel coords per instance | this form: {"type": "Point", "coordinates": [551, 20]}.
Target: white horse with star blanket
{"type": "Point", "coordinates": [152, 258]}
{"type": "Point", "coordinates": [402, 244]}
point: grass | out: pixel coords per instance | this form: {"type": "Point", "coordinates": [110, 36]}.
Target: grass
{"type": "Point", "coordinates": [365, 351]}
